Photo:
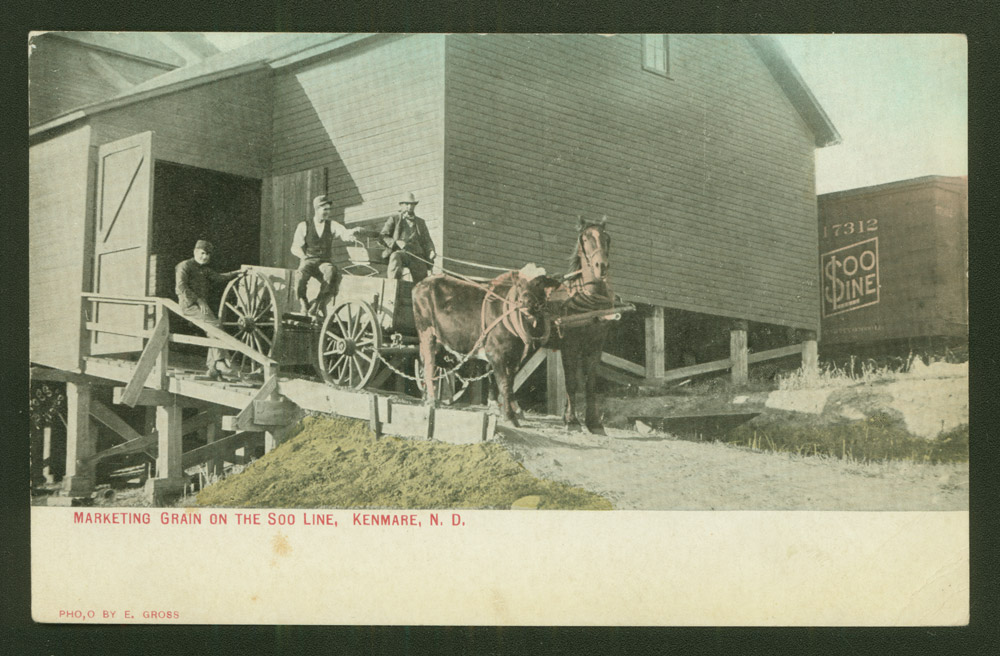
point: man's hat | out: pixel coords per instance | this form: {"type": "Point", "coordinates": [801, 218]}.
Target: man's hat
{"type": "Point", "coordinates": [320, 201]}
{"type": "Point", "coordinates": [409, 199]}
{"type": "Point", "coordinates": [203, 245]}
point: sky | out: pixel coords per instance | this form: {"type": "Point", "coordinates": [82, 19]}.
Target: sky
{"type": "Point", "coordinates": [900, 103]}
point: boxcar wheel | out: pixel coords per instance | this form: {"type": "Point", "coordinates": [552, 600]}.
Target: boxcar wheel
{"type": "Point", "coordinates": [348, 345]}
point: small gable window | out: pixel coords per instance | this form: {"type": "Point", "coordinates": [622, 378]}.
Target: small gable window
{"type": "Point", "coordinates": [656, 54]}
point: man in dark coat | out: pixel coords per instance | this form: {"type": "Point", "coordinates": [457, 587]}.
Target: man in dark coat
{"type": "Point", "coordinates": [408, 242]}
{"type": "Point", "coordinates": [194, 283]}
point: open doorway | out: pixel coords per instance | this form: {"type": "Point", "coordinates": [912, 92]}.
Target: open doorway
{"type": "Point", "coordinates": [191, 203]}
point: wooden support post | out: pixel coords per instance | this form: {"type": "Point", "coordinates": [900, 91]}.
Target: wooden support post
{"type": "Point", "coordinates": [214, 463]}
{"type": "Point", "coordinates": [655, 351]}
{"type": "Point", "coordinates": [81, 440]}
{"type": "Point", "coordinates": [738, 352]}
{"type": "Point", "coordinates": [270, 441]}
{"type": "Point", "coordinates": [160, 377]}
{"type": "Point", "coordinates": [47, 454]}
{"type": "Point", "coordinates": [555, 383]}
{"type": "Point", "coordinates": [810, 353]}
{"type": "Point", "coordinates": [170, 480]}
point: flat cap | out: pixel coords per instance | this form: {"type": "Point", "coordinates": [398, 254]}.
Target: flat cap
{"type": "Point", "coordinates": [204, 245]}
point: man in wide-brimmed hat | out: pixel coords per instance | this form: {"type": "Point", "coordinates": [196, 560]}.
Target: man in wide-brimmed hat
{"type": "Point", "coordinates": [194, 280]}
{"type": "Point", "coordinates": [312, 243]}
{"type": "Point", "coordinates": [408, 242]}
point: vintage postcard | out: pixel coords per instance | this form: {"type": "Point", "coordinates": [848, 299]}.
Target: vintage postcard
{"type": "Point", "coordinates": [513, 329]}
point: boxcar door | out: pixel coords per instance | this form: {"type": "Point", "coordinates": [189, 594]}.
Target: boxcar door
{"type": "Point", "coordinates": [121, 240]}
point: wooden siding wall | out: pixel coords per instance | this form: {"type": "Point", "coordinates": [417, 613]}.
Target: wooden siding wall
{"type": "Point", "coordinates": [64, 76]}
{"type": "Point", "coordinates": [707, 178]}
{"type": "Point", "coordinates": [922, 230]}
{"type": "Point", "coordinates": [223, 126]}
{"type": "Point", "coordinates": [60, 186]}
{"type": "Point", "coordinates": [372, 117]}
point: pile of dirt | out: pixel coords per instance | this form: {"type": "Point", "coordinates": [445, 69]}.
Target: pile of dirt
{"type": "Point", "coordinates": [338, 463]}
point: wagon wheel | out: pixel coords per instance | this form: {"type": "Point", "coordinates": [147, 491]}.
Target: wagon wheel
{"type": "Point", "coordinates": [249, 312]}
{"type": "Point", "coordinates": [348, 345]}
{"type": "Point", "coordinates": [447, 387]}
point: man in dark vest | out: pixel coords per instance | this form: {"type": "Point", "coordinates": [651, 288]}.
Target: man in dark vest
{"type": "Point", "coordinates": [408, 242]}
{"type": "Point", "coordinates": [194, 280]}
{"type": "Point", "coordinates": [313, 245]}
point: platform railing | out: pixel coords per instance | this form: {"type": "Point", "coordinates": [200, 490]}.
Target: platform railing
{"type": "Point", "coordinates": [155, 354]}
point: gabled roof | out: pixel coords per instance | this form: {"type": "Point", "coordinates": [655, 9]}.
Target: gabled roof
{"type": "Point", "coordinates": [280, 49]}
{"type": "Point", "coordinates": [788, 78]}
{"type": "Point", "coordinates": [169, 49]}
{"type": "Point", "coordinates": [270, 51]}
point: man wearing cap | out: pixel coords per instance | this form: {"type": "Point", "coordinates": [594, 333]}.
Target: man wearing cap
{"type": "Point", "coordinates": [313, 245]}
{"type": "Point", "coordinates": [408, 242]}
{"type": "Point", "coordinates": [194, 282]}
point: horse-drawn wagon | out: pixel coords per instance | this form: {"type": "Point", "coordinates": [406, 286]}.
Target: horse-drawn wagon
{"type": "Point", "coordinates": [369, 322]}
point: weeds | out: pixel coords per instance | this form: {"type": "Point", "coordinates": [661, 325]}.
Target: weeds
{"type": "Point", "coordinates": [830, 375]}
{"type": "Point", "coordinates": [877, 438]}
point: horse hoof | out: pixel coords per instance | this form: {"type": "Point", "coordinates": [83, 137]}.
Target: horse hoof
{"type": "Point", "coordinates": [573, 427]}
{"type": "Point", "coordinates": [596, 430]}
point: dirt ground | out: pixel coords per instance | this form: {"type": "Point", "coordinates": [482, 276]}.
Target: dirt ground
{"type": "Point", "coordinates": [657, 471]}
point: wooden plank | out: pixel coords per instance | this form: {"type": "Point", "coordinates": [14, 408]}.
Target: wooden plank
{"type": "Point", "coordinates": [782, 352]}
{"type": "Point", "coordinates": [696, 370]}
{"type": "Point", "coordinates": [536, 359]}
{"type": "Point", "coordinates": [275, 413]}
{"type": "Point", "coordinates": [142, 444]}
{"type": "Point", "coordinates": [655, 351]}
{"type": "Point", "coordinates": [152, 397]}
{"type": "Point", "coordinates": [245, 418]}
{"type": "Point", "coordinates": [43, 374]}
{"type": "Point", "coordinates": [555, 383]}
{"type": "Point", "coordinates": [623, 364]}
{"type": "Point", "coordinates": [169, 442]}
{"type": "Point", "coordinates": [80, 441]}
{"type": "Point", "coordinates": [232, 396]}
{"type": "Point", "coordinates": [738, 352]}
{"type": "Point", "coordinates": [616, 376]}
{"type": "Point", "coordinates": [147, 360]}
{"type": "Point", "coordinates": [218, 449]}
{"type": "Point", "coordinates": [458, 426]}
{"type": "Point", "coordinates": [223, 339]}
{"type": "Point", "coordinates": [199, 421]}
{"type": "Point", "coordinates": [106, 416]}
{"type": "Point", "coordinates": [810, 357]}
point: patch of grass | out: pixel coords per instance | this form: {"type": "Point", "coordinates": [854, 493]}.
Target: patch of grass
{"type": "Point", "coordinates": [877, 438]}
{"type": "Point", "coordinates": [831, 375]}
{"type": "Point", "coordinates": [338, 463]}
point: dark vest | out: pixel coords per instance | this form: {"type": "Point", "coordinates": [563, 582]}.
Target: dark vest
{"type": "Point", "coordinates": [317, 245]}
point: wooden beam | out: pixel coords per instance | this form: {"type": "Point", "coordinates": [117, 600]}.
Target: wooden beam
{"type": "Point", "coordinates": [218, 449]}
{"type": "Point", "coordinates": [810, 353]}
{"type": "Point", "coordinates": [46, 375]}
{"type": "Point", "coordinates": [616, 376]}
{"type": "Point", "coordinates": [536, 359]}
{"type": "Point", "coordinates": [555, 383]}
{"type": "Point", "coordinates": [696, 370]}
{"type": "Point", "coordinates": [199, 421]}
{"type": "Point", "coordinates": [655, 348]}
{"type": "Point", "coordinates": [245, 419]}
{"type": "Point", "coordinates": [169, 442]}
{"type": "Point", "coordinates": [738, 352]}
{"type": "Point", "coordinates": [147, 361]}
{"type": "Point", "coordinates": [783, 352]}
{"type": "Point", "coordinates": [80, 441]}
{"type": "Point", "coordinates": [268, 412]}
{"type": "Point", "coordinates": [106, 416]}
{"type": "Point", "coordinates": [141, 444]}
{"type": "Point", "coordinates": [161, 397]}
{"type": "Point", "coordinates": [623, 364]}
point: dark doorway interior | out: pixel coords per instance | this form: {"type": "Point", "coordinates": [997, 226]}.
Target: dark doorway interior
{"type": "Point", "coordinates": [190, 204]}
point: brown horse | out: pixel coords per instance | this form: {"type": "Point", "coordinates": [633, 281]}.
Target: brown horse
{"type": "Point", "coordinates": [581, 342]}
{"type": "Point", "coordinates": [502, 318]}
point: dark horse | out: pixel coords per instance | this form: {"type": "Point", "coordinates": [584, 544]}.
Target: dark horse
{"type": "Point", "coordinates": [581, 341]}
{"type": "Point", "coordinates": [500, 318]}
